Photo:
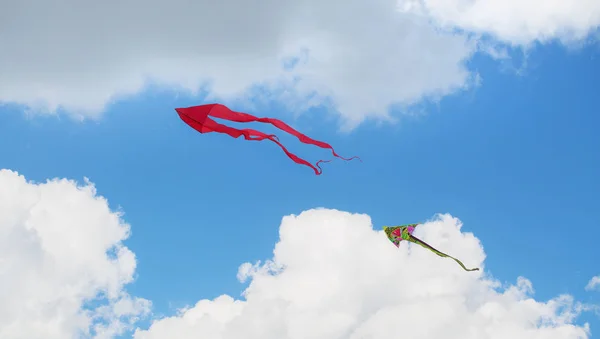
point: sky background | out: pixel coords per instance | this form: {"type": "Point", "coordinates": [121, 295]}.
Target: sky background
{"type": "Point", "coordinates": [513, 155]}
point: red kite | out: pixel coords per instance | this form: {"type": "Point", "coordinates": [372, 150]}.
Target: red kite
{"type": "Point", "coordinates": [200, 119]}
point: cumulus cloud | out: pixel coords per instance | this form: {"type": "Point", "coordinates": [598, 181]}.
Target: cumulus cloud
{"type": "Point", "coordinates": [593, 284]}
{"type": "Point", "coordinates": [360, 56]}
{"type": "Point", "coordinates": [64, 269]}
{"type": "Point", "coordinates": [63, 266]}
{"type": "Point", "coordinates": [514, 21]}
{"type": "Point", "coordinates": [332, 276]}
{"type": "Point", "coordinates": [356, 56]}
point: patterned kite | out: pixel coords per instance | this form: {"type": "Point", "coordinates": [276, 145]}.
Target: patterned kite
{"type": "Point", "coordinates": [404, 232]}
{"type": "Point", "coordinates": [201, 117]}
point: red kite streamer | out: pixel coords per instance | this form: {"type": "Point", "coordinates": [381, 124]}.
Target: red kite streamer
{"type": "Point", "coordinates": [200, 119]}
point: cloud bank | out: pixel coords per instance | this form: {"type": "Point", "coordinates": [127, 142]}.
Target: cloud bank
{"type": "Point", "coordinates": [64, 269]}
{"type": "Point", "coordinates": [333, 277]}
{"type": "Point", "coordinates": [513, 21]}
{"type": "Point", "coordinates": [358, 56]}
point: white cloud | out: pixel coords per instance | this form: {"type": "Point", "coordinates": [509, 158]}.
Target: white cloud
{"type": "Point", "coordinates": [365, 55]}
{"type": "Point", "coordinates": [361, 56]}
{"type": "Point", "coordinates": [63, 270]}
{"type": "Point", "coordinates": [593, 284]}
{"type": "Point", "coordinates": [514, 21]}
{"type": "Point", "coordinates": [63, 267]}
{"type": "Point", "coordinates": [332, 277]}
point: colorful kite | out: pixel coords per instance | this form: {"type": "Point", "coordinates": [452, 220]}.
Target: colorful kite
{"type": "Point", "coordinates": [200, 119]}
{"type": "Point", "coordinates": [404, 232]}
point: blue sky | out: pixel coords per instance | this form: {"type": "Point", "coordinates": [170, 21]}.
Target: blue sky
{"type": "Point", "coordinates": [474, 114]}
{"type": "Point", "coordinates": [515, 159]}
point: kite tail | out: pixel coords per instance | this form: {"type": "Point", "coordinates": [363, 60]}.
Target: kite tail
{"type": "Point", "coordinates": [301, 137]}
{"type": "Point", "coordinates": [441, 254]}
{"type": "Point", "coordinates": [223, 112]}
{"type": "Point", "coordinates": [318, 170]}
